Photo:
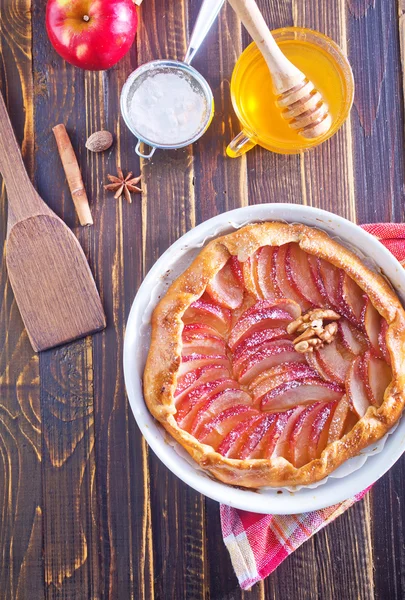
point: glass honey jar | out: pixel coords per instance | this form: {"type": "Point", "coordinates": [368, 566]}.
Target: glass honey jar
{"type": "Point", "coordinates": [254, 102]}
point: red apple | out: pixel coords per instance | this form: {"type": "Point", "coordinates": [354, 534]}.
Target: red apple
{"type": "Point", "coordinates": [91, 34]}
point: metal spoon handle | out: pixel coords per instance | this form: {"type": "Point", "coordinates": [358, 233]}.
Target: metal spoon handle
{"type": "Point", "coordinates": [207, 15]}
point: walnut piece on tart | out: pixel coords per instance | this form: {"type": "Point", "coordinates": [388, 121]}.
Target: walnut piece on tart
{"type": "Point", "coordinates": [276, 356]}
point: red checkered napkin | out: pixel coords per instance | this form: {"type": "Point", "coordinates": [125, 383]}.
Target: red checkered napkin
{"type": "Point", "coordinates": [259, 543]}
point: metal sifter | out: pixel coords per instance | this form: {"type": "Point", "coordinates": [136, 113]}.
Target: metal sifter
{"type": "Point", "coordinates": [145, 76]}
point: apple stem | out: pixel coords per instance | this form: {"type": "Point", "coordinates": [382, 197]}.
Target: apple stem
{"type": "Point", "coordinates": [86, 18]}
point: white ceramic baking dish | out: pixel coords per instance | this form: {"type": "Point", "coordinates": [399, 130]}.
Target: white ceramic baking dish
{"type": "Point", "coordinates": [339, 486]}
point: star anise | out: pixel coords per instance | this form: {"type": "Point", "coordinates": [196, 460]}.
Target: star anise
{"type": "Point", "coordinates": [123, 185]}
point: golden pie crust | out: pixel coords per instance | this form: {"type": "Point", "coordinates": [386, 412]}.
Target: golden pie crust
{"type": "Point", "coordinates": [164, 357]}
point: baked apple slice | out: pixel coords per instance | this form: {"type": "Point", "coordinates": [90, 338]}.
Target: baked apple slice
{"type": "Point", "coordinates": [334, 362]}
{"type": "Point", "coordinates": [265, 349]}
{"type": "Point", "coordinates": [199, 393]}
{"type": "Point", "coordinates": [351, 337]}
{"type": "Point", "coordinates": [356, 388]}
{"type": "Point", "coordinates": [300, 391]}
{"type": "Point", "coordinates": [300, 438]}
{"type": "Point", "coordinates": [207, 346]}
{"type": "Point", "coordinates": [338, 421]}
{"type": "Point", "coordinates": [314, 264]}
{"type": "Point", "coordinates": [372, 325]}
{"type": "Point", "coordinates": [217, 428]}
{"type": "Point", "coordinates": [300, 275]}
{"type": "Point", "coordinates": [330, 276]}
{"type": "Point", "coordinates": [377, 377]}
{"type": "Point", "coordinates": [209, 372]}
{"type": "Point", "coordinates": [246, 435]}
{"type": "Point", "coordinates": [250, 276]}
{"type": "Point", "coordinates": [271, 429]}
{"type": "Point", "coordinates": [217, 403]}
{"type": "Point", "coordinates": [281, 278]}
{"type": "Point", "coordinates": [246, 431]}
{"type": "Point", "coordinates": [287, 423]}
{"type": "Point", "coordinates": [262, 315]}
{"type": "Point", "coordinates": [265, 278]}
{"type": "Point", "coordinates": [382, 341]}
{"type": "Point", "coordinates": [315, 364]}
{"type": "Point", "coordinates": [280, 375]}
{"type": "Point", "coordinates": [280, 352]}
{"type": "Point", "coordinates": [208, 313]}
{"type": "Point", "coordinates": [236, 267]}
{"type": "Point", "coordinates": [225, 288]}
{"type": "Point", "coordinates": [318, 438]}
{"type": "Point", "coordinates": [256, 340]}
{"type": "Point", "coordinates": [193, 362]}
{"type": "Point", "coordinates": [353, 298]}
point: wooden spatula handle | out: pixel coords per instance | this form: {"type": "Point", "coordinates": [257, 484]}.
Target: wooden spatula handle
{"type": "Point", "coordinates": [23, 199]}
{"type": "Point", "coordinates": [284, 74]}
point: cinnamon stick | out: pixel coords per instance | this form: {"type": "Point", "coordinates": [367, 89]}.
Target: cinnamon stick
{"type": "Point", "coordinates": [73, 175]}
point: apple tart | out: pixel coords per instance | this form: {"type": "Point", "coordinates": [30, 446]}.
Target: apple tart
{"type": "Point", "coordinates": [276, 356]}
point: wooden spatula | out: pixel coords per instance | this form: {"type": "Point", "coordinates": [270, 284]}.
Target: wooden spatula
{"type": "Point", "coordinates": [51, 279]}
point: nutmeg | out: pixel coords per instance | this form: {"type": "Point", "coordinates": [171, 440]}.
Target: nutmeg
{"type": "Point", "coordinates": [99, 141]}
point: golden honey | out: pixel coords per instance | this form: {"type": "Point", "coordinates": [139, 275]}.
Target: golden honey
{"type": "Point", "coordinates": [320, 59]}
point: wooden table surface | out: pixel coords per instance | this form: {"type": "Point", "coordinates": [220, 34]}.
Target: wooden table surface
{"type": "Point", "coordinates": [86, 510]}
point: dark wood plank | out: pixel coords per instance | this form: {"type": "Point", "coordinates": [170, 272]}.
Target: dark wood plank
{"type": "Point", "coordinates": [169, 210]}
{"type": "Point", "coordinates": [377, 116]}
{"type": "Point", "coordinates": [68, 468]}
{"type": "Point", "coordinates": [21, 562]}
{"type": "Point", "coordinates": [122, 478]}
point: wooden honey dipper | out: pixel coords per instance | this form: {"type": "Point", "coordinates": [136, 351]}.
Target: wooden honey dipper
{"type": "Point", "coordinates": [301, 104]}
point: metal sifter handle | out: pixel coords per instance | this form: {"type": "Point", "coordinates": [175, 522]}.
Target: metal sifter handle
{"type": "Point", "coordinates": [207, 15]}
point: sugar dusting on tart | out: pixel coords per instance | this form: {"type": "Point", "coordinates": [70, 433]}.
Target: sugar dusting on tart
{"type": "Point", "coordinates": [276, 356]}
